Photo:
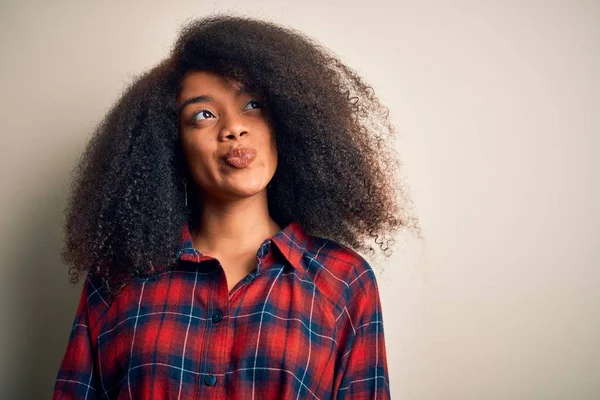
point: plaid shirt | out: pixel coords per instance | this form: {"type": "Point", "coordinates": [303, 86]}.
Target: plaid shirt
{"type": "Point", "coordinates": [305, 323]}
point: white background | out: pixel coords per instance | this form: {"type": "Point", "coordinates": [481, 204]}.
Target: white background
{"type": "Point", "coordinates": [497, 108]}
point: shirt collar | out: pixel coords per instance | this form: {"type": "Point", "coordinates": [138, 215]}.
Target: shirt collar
{"type": "Point", "coordinates": [291, 241]}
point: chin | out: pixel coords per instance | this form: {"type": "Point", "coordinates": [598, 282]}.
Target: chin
{"type": "Point", "coordinates": [246, 191]}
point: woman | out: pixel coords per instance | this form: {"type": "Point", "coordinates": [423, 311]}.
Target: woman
{"type": "Point", "coordinates": [215, 212]}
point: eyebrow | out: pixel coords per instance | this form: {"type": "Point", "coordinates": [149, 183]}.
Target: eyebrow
{"type": "Point", "coordinates": [205, 98]}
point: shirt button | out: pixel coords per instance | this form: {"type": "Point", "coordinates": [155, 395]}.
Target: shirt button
{"type": "Point", "coordinates": [210, 380]}
{"type": "Point", "coordinates": [217, 316]}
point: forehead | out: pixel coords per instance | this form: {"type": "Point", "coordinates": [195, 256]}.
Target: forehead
{"type": "Point", "coordinates": [205, 82]}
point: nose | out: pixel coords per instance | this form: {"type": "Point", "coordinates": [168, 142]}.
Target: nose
{"type": "Point", "coordinates": [233, 127]}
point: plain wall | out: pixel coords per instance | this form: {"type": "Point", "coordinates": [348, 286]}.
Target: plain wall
{"type": "Point", "coordinates": [496, 105]}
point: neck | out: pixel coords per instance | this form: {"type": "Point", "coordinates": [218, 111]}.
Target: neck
{"type": "Point", "coordinates": [236, 226]}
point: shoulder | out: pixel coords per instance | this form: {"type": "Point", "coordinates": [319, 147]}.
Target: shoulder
{"type": "Point", "coordinates": [96, 297]}
{"type": "Point", "coordinates": [338, 270]}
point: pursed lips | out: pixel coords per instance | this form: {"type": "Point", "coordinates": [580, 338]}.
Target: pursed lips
{"type": "Point", "coordinates": [240, 157]}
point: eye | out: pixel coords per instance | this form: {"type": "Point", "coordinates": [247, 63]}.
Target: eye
{"type": "Point", "coordinates": [256, 103]}
{"type": "Point", "coordinates": [203, 113]}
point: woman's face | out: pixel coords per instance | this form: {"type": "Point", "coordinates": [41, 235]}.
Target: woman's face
{"type": "Point", "coordinates": [215, 116]}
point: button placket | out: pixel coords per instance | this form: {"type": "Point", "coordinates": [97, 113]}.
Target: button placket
{"type": "Point", "coordinates": [214, 335]}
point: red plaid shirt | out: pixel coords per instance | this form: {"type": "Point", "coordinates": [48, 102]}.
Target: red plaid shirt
{"type": "Point", "coordinates": [305, 323]}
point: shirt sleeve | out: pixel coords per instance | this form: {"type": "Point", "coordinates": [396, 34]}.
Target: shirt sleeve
{"type": "Point", "coordinates": [77, 377]}
{"type": "Point", "coordinates": [363, 370]}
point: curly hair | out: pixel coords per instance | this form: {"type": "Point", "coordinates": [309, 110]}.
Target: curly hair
{"type": "Point", "coordinates": [337, 163]}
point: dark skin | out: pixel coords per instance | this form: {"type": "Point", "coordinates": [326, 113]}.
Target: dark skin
{"type": "Point", "coordinates": [234, 220]}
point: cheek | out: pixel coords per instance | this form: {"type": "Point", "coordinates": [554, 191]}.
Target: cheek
{"type": "Point", "coordinates": [270, 158]}
{"type": "Point", "coordinates": [272, 155]}
{"type": "Point", "coordinates": [199, 153]}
